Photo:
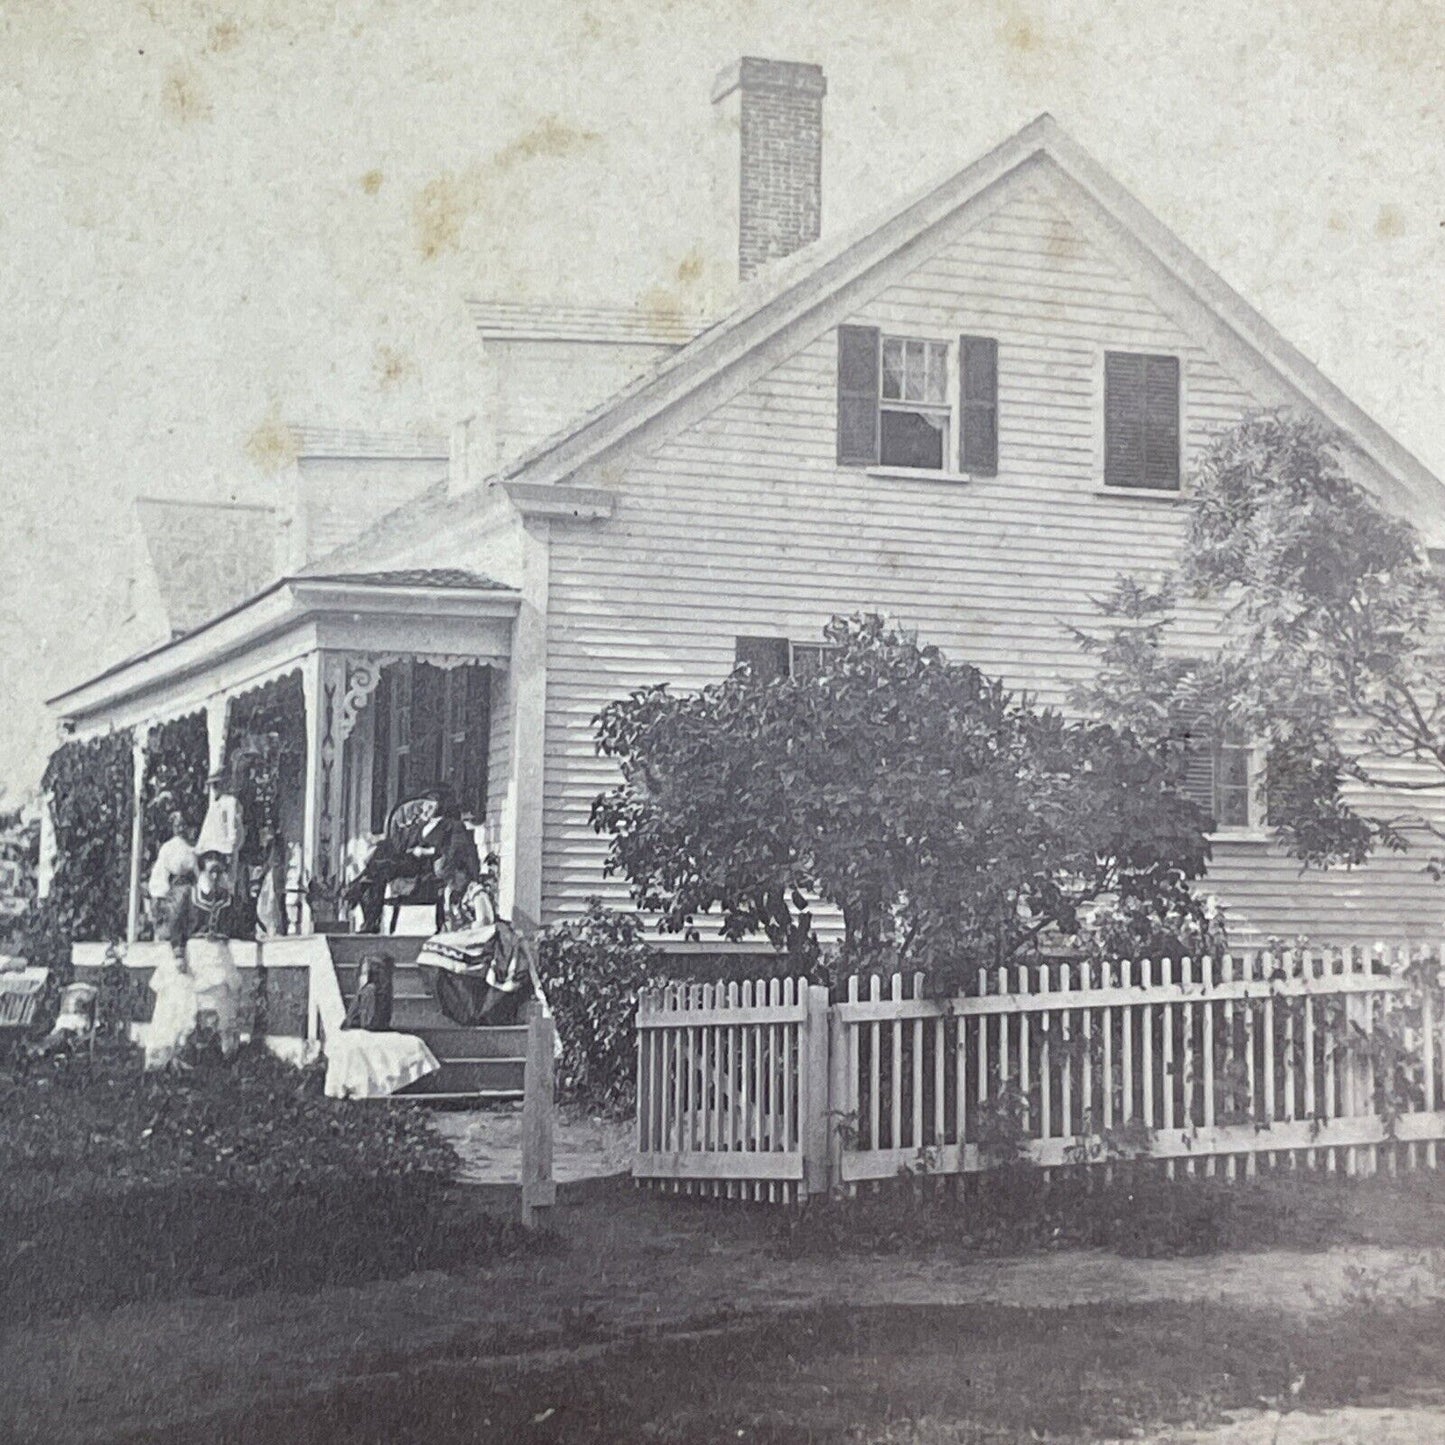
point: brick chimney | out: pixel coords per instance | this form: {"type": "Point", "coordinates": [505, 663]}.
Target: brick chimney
{"type": "Point", "coordinates": [775, 189]}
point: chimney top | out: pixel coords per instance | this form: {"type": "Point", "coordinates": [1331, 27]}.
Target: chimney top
{"type": "Point", "coordinates": [752, 73]}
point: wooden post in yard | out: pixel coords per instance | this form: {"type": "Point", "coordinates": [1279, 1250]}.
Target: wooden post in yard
{"type": "Point", "coordinates": [539, 1190]}
{"type": "Point", "coordinates": [813, 1091]}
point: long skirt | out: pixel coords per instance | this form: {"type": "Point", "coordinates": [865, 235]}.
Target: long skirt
{"type": "Point", "coordinates": [469, 1000]}
{"type": "Point", "coordinates": [208, 994]}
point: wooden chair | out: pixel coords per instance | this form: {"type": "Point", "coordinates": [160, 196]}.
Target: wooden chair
{"type": "Point", "coordinates": [418, 886]}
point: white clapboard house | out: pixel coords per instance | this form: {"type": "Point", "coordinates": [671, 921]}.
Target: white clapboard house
{"type": "Point", "coordinates": [971, 413]}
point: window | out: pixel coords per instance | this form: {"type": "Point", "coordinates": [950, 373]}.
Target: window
{"type": "Point", "coordinates": [913, 406]}
{"type": "Point", "coordinates": [806, 660]}
{"type": "Point", "coordinates": [774, 657]}
{"type": "Point", "coordinates": [898, 406]}
{"type": "Point", "coordinates": [1219, 777]}
{"type": "Point", "coordinates": [1141, 420]}
{"type": "Point", "coordinates": [431, 726]}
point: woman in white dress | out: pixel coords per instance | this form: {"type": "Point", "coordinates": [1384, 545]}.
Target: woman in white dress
{"type": "Point", "coordinates": [199, 984]}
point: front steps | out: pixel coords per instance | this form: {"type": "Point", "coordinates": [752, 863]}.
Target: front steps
{"type": "Point", "coordinates": [477, 1064]}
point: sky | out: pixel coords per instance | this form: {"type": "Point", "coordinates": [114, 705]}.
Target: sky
{"type": "Point", "coordinates": [220, 218]}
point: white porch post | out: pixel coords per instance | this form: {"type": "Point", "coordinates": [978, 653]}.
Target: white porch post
{"type": "Point", "coordinates": [520, 887]}
{"type": "Point", "coordinates": [216, 706]}
{"type": "Point", "coordinates": [140, 738]}
{"type": "Point", "coordinates": [322, 682]}
{"type": "Point", "coordinates": [311, 826]}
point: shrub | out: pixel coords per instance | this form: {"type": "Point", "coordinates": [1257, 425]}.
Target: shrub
{"type": "Point", "coordinates": [117, 1185]}
{"type": "Point", "coordinates": [593, 971]}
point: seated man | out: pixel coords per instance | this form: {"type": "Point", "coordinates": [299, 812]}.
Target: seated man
{"type": "Point", "coordinates": [426, 842]}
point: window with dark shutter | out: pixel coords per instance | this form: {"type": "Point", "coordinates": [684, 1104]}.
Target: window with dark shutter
{"type": "Point", "coordinates": [1217, 775]}
{"type": "Point", "coordinates": [857, 396]}
{"type": "Point", "coordinates": [766, 656]}
{"type": "Point", "coordinates": [1141, 420]}
{"type": "Point", "coordinates": [978, 404]}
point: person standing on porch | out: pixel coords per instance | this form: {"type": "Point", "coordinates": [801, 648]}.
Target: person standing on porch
{"type": "Point", "coordinates": [175, 863]}
{"type": "Point", "coordinates": [224, 830]}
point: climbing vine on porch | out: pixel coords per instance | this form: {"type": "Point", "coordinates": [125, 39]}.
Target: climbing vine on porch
{"type": "Point", "coordinates": [177, 757]}
{"type": "Point", "coordinates": [89, 785]}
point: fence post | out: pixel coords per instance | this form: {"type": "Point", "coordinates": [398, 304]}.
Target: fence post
{"type": "Point", "coordinates": [539, 1190]}
{"type": "Point", "coordinates": [813, 1091]}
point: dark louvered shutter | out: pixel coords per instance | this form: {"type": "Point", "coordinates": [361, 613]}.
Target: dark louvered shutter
{"type": "Point", "coordinates": [978, 404]}
{"type": "Point", "coordinates": [1141, 420]}
{"type": "Point", "coordinates": [478, 739]}
{"type": "Point", "coordinates": [767, 656]}
{"type": "Point", "coordinates": [1161, 421]}
{"type": "Point", "coordinates": [1196, 744]}
{"type": "Point", "coordinates": [857, 396]}
{"type": "Point", "coordinates": [1123, 420]}
{"type": "Point", "coordinates": [1198, 784]}
{"type": "Point", "coordinates": [381, 801]}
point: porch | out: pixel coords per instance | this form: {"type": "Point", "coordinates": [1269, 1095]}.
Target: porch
{"type": "Point", "coordinates": [327, 700]}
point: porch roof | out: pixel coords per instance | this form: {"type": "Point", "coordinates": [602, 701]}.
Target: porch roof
{"type": "Point", "coordinates": [424, 610]}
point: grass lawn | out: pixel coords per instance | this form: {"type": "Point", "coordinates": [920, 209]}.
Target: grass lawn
{"type": "Point", "coordinates": [663, 1318]}
{"type": "Point", "coordinates": [917, 1374]}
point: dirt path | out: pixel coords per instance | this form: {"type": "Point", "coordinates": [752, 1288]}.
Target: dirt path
{"type": "Point", "coordinates": [1353, 1425]}
{"type": "Point", "coordinates": [636, 1264]}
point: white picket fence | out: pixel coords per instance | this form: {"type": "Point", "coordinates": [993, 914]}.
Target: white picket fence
{"type": "Point", "coordinates": [732, 1089]}
{"type": "Point", "coordinates": [1329, 1059]}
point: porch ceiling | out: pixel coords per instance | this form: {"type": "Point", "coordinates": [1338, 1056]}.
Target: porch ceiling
{"type": "Point", "coordinates": [420, 610]}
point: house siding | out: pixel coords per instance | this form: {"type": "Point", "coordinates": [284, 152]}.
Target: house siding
{"type": "Point", "coordinates": [743, 523]}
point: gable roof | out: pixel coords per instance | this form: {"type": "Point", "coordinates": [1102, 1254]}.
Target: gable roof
{"type": "Point", "coordinates": [206, 556]}
{"type": "Point", "coordinates": [799, 286]}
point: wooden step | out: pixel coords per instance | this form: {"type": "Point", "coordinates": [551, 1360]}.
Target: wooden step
{"type": "Point", "coordinates": [348, 949]}
{"type": "Point", "coordinates": [474, 1078]}
{"type": "Point", "coordinates": [452, 1042]}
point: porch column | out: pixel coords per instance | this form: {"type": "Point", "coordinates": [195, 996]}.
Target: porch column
{"type": "Point", "coordinates": [322, 683]}
{"type": "Point", "coordinates": [216, 709]}
{"type": "Point", "coordinates": [520, 889]}
{"type": "Point", "coordinates": [140, 739]}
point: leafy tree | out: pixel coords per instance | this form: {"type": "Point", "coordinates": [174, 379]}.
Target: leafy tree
{"type": "Point", "coordinates": [952, 823]}
{"type": "Point", "coordinates": [1326, 648]}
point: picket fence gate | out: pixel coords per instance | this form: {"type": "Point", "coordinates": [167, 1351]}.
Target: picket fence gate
{"type": "Point", "coordinates": [1327, 1059]}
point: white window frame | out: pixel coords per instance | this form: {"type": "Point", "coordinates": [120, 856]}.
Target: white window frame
{"type": "Point", "coordinates": [817, 650]}
{"type": "Point", "coordinates": [947, 409]}
{"type": "Point", "coordinates": [1255, 825]}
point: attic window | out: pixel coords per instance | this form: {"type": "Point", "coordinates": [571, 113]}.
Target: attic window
{"type": "Point", "coordinates": [1141, 421]}
{"type": "Point", "coordinates": [914, 414]}
{"type": "Point", "coordinates": [899, 407]}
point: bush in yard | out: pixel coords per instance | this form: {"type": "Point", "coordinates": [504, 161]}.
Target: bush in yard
{"type": "Point", "coordinates": [593, 971]}
{"type": "Point", "coordinates": [952, 823]}
{"type": "Point", "coordinates": [118, 1185]}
